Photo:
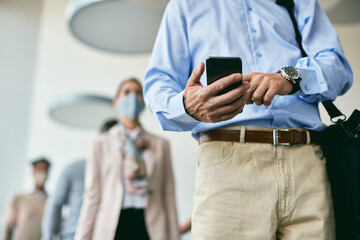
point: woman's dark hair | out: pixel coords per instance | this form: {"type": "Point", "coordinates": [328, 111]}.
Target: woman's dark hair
{"type": "Point", "coordinates": [135, 80]}
{"type": "Point", "coordinates": [108, 124]}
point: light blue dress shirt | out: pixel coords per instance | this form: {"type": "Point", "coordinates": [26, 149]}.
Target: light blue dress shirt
{"type": "Point", "coordinates": [69, 192]}
{"type": "Point", "coordinates": [259, 32]}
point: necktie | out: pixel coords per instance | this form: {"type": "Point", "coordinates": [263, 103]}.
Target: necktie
{"type": "Point", "coordinates": [289, 5]}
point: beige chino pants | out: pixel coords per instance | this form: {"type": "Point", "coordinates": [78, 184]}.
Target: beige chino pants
{"type": "Point", "coordinates": [261, 191]}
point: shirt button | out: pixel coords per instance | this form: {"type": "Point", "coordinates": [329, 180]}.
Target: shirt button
{"type": "Point", "coordinates": [259, 54]}
{"type": "Point", "coordinates": [250, 8]}
{"type": "Point", "coordinates": [253, 31]}
{"type": "Point", "coordinates": [307, 87]}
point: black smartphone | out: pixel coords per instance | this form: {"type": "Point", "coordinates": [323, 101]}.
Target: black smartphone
{"type": "Point", "coordinates": [219, 67]}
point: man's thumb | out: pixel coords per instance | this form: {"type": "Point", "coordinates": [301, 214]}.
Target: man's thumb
{"type": "Point", "coordinates": [196, 75]}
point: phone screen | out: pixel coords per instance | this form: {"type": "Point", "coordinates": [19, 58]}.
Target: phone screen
{"type": "Point", "coordinates": [219, 67]}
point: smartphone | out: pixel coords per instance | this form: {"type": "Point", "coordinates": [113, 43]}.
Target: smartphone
{"type": "Point", "coordinates": [219, 67]}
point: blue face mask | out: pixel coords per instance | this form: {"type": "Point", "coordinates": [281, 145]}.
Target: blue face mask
{"type": "Point", "coordinates": [130, 106]}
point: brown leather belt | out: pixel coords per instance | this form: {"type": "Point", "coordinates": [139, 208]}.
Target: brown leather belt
{"type": "Point", "coordinates": [276, 137]}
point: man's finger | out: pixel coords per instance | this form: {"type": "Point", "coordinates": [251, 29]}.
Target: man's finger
{"type": "Point", "coordinates": [196, 75]}
{"type": "Point", "coordinates": [248, 77]}
{"type": "Point", "coordinates": [269, 96]}
{"type": "Point", "coordinates": [253, 86]}
{"type": "Point", "coordinates": [230, 107]}
{"type": "Point", "coordinates": [232, 114]}
{"type": "Point", "coordinates": [230, 96]}
{"type": "Point", "coordinates": [249, 101]}
{"type": "Point", "coordinates": [259, 93]}
{"type": "Point", "coordinates": [214, 88]}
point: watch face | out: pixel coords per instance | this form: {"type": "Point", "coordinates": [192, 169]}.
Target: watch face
{"type": "Point", "coordinates": [292, 72]}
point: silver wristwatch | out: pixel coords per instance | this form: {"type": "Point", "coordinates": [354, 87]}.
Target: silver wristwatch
{"type": "Point", "coordinates": [293, 76]}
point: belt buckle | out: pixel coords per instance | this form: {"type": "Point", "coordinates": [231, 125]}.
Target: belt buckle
{"type": "Point", "coordinates": [276, 137]}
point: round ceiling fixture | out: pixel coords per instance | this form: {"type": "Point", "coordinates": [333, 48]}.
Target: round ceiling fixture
{"type": "Point", "coordinates": [120, 26]}
{"type": "Point", "coordinates": [82, 110]}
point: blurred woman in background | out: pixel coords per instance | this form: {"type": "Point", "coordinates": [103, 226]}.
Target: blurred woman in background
{"type": "Point", "coordinates": [129, 184]}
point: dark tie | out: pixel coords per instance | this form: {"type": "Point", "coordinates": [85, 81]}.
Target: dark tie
{"type": "Point", "coordinates": [286, 3]}
{"type": "Point", "coordinates": [289, 5]}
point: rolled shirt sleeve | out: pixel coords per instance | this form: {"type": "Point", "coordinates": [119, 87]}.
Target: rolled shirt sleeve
{"type": "Point", "coordinates": [325, 73]}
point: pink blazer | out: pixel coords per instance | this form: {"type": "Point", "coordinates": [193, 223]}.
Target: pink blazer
{"type": "Point", "coordinates": [104, 190]}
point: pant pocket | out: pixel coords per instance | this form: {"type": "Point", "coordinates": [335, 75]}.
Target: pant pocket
{"type": "Point", "coordinates": [214, 153]}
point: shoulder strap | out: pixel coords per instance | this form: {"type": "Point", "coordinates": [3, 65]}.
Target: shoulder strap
{"type": "Point", "coordinates": [289, 5]}
{"type": "Point", "coordinates": [331, 109]}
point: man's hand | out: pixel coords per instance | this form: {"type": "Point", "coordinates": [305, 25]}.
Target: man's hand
{"type": "Point", "coordinates": [264, 87]}
{"type": "Point", "coordinates": [205, 105]}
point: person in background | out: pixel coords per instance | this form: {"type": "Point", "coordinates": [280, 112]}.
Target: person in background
{"type": "Point", "coordinates": [25, 211]}
{"type": "Point", "coordinates": [69, 192]}
{"type": "Point", "coordinates": [129, 183]}
{"type": "Point", "coordinates": [108, 125]}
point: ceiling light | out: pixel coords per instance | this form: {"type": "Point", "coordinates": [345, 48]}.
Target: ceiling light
{"type": "Point", "coordinates": [120, 26]}
{"type": "Point", "coordinates": [82, 110]}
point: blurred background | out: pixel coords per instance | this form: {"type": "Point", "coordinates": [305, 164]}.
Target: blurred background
{"type": "Point", "coordinates": [61, 63]}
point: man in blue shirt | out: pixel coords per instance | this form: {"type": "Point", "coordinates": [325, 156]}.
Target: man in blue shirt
{"type": "Point", "coordinates": [248, 185]}
{"type": "Point", "coordinates": [69, 192]}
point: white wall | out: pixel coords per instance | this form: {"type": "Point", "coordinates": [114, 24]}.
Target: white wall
{"type": "Point", "coordinates": [19, 28]}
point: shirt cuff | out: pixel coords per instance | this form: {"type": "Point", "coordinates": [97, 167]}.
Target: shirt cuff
{"type": "Point", "coordinates": [179, 114]}
{"type": "Point", "coordinates": [309, 83]}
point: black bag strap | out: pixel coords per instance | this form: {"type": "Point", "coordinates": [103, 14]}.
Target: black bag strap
{"type": "Point", "coordinates": [331, 109]}
{"type": "Point", "coordinates": [289, 5]}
